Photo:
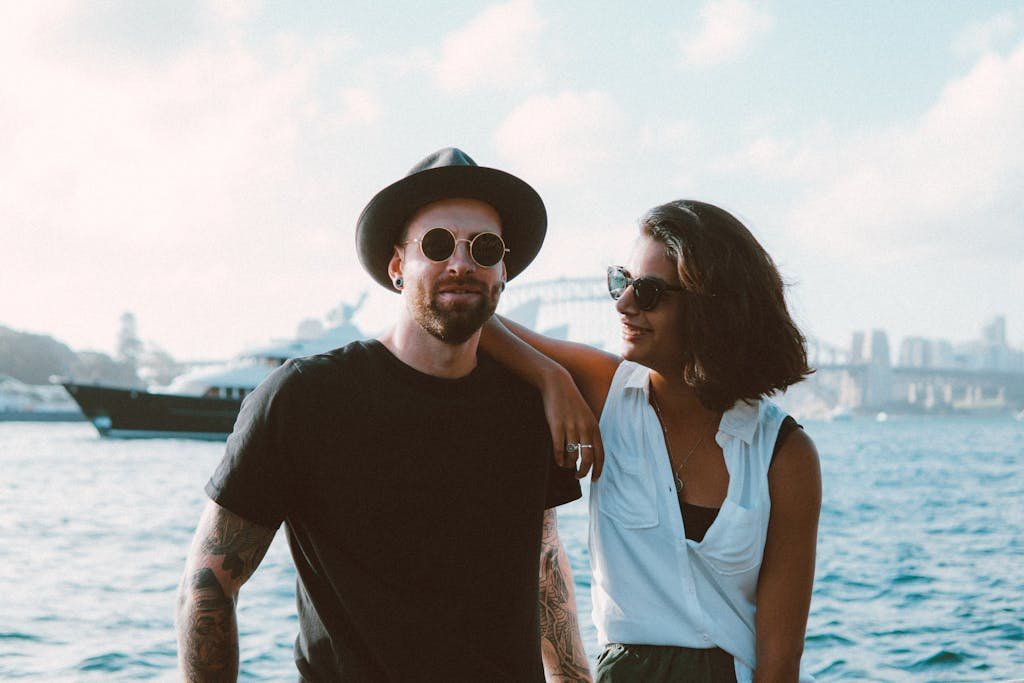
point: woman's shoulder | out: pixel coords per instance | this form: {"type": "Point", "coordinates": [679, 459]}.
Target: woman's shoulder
{"type": "Point", "coordinates": [796, 466]}
{"type": "Point", "coordinates": [627, 375]}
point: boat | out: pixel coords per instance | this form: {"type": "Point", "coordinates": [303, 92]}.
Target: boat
{"type": "Point", "coordinates": [839, 414]}
{"type": "Point", "coordinates": [202, 404]}
{"type": "Point", "coordinates": [20, 402]}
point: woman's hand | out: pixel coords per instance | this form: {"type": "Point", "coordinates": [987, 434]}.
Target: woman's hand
{"type": "Point", "coordinates": [574, 430]}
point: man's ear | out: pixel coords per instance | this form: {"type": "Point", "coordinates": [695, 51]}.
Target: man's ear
{"type": "Point", "coordinates": [395, 269]}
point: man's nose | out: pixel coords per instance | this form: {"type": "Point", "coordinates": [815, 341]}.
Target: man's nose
{"type": "Point", "coordinates": [461, 260]}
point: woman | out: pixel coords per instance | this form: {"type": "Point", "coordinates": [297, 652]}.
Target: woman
{"type": "Point", "coordinates": [703, 524]}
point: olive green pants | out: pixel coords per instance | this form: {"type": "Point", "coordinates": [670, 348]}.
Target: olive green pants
{"type": "Point", "coordinates": [621, 663]}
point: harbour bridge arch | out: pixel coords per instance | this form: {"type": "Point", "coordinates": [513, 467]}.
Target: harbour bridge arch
{"type": "Point", "coordinates": [577, 309]}
{"type": "Point", "coordinates": [580, 309]}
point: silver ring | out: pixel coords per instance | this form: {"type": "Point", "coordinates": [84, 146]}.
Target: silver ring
{"type": "Point", "coordinates": [574, 447]}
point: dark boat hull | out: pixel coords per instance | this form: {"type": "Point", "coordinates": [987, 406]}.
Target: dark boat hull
{"type": "Point", "coordinates": [133, 413]}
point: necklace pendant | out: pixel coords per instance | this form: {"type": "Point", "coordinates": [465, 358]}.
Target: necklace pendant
{"type": "Point", "coordinates": [679, 484]}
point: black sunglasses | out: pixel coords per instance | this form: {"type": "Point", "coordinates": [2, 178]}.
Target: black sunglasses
{"type": "Point", "coordinates": [438, 244]}
{"type": "Point", "coordinates": [646, 290]}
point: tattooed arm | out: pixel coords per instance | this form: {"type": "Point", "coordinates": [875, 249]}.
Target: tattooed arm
{"type": "Point", "coordinates": [565, 659]}
{"type": "Point", "coordinates": [225, 552]}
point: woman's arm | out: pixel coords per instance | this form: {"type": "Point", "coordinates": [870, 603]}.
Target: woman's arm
{"type": "Point", "coordinates": [573, 380]}
{"type": "Point", "coordinates": [787, 571]}
{"type": "Point", "coordinates": [592, 369]}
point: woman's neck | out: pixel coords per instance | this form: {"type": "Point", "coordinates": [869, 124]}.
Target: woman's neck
{"type": "Point", "coordinates": [677, 398]}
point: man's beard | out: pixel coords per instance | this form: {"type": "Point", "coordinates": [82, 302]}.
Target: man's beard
{"type": "Point", "coordinates": [452, 323]}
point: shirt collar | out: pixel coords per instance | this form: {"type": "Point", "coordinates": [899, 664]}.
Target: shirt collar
{"type": "Point", "coordinates": [740, 421]}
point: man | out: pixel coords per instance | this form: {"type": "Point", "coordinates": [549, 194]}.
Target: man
{"type": "Point", "coordinates": [414, 477]}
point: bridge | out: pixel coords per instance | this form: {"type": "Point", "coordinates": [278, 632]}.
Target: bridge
{"type": "Point", "coordinates": [859, 379]}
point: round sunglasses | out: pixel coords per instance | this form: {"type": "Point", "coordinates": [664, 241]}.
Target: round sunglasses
{"type": "Point", "coordinates": [646, 290]}
{"type": "Point", "coordinates": [438, 244]}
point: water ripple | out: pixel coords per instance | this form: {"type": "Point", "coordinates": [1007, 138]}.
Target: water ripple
{"type": "Point", "coordinates": [918, 574]}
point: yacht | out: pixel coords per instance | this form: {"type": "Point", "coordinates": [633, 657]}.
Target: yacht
{"type": "Point", "coordinates": [202, 404]}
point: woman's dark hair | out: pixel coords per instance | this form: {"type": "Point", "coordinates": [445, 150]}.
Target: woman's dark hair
{"type": "Point", "coordinates": [739, 339]}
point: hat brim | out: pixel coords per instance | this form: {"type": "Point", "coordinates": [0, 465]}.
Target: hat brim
{"type": "Point", "coordinates": [522, 212]}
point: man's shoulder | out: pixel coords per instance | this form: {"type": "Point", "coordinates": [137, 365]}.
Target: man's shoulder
{"type": "Point", "coordinates": [343, 365]}
{"type": "Point", "coordinates": [494, 373]}
{"type": "Point", "coordinates": [354, 353]}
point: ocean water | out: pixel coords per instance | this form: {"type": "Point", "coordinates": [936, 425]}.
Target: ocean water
{"type": "Point", "coordinates": [920, 571]}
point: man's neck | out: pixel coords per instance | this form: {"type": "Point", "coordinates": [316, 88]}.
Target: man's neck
{"type": "Point", "coordinates": [419, 349]}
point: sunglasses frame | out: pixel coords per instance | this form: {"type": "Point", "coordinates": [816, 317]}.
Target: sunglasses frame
{"type": "Point", "coordinates": [455, 246]}
{"type": "Point", "coordinates": [645, 281]}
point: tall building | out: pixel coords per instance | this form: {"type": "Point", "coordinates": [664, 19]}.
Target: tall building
{"type": "Point", "coordinates": [916, 352]}
{"type": "Point", "coordinates": [878, 389]}
{"type": "Point", "coordinates": [857, 354]}
{"type": "Point", "coordinates": [994, 333]}
{"type": "Point", "coordinates": [880, 348]}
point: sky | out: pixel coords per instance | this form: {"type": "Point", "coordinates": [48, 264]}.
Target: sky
{"type": "Point", "coordinates": [202, 164]}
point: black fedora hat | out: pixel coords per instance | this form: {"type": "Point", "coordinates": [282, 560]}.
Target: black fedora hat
{"type": "Point", "coordinates": [450, 174]}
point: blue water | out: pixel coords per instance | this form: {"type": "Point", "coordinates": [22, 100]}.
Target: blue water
{"type": "Point", "coordinates": [920, 560]}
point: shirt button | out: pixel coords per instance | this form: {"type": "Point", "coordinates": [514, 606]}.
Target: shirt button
{"type": "Point", "coordinates": [704, 636]}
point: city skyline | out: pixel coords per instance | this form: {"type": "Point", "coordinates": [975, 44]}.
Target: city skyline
{"type": "Point", "coordinates": [201, 164]}
{"type": "Point", "coordinates": [898, 346]}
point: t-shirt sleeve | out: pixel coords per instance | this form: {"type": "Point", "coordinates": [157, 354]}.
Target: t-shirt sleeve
{"type": "Point", "coordinates": [252, 477]}
{"type": "Point", "coordinates": [563, 487]}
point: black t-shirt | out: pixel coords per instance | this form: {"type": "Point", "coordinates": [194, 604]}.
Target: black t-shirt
{"type": "Point", "coordinates": [413, 507]}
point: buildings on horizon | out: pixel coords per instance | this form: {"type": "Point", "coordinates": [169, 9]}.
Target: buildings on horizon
{"type": "Point", "coordinates": [990, 352]}
{"type": "Point", "coordinates": [924, 376]}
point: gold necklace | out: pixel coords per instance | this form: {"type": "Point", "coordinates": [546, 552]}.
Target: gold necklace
{"type": "Point", "coordinates": [703, 433]}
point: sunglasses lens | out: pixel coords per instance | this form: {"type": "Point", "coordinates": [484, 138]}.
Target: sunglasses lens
{"type": "Point", "coordinates": [438, 244]}
{"type": "Point", "coordinates": [646, 293]}
{"type": "Point", "coordinates": [618, 281]}
{"type": "Point", "coordinates": [488, 249]}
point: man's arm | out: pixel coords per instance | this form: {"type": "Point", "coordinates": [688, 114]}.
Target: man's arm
{"type": "Point", "coordinates": [561, 645]}
{"type": "Point", "coordinates": [225, 552]}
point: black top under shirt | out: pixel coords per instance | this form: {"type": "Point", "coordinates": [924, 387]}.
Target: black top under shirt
{"type": "Point", "coordinates": [697, 519]}
{"type": "Point", "coordinates": [413, 508]}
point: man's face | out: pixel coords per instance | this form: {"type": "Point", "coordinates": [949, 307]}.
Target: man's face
{"type": "Point", "coordinates": [450, 299]}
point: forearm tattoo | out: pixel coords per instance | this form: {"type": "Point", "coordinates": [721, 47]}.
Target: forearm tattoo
{"type": "Point", "coordinates": [228, 549]}
{"type": "Point", "coordinates": [241, 544]}
{"type": "Point", "coordinates": [210, 636]}
{"type": "Point", "coordinates": [559, 627]}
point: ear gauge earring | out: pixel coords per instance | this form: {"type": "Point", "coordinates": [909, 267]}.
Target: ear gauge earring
{"type": "Point", "coordinates": [399, 282]}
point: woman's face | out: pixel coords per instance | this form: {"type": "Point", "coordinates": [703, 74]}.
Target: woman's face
{"type": "Point", "coordinates": [652, 338]}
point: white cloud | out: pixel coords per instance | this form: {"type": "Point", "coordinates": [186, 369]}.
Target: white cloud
{"type": "Point", "coordinates": [946, 187]}
{"type": "Point", "coordinates": [727, 31]}
{"type": "Point", "coordinates": [773, 156]}
{"type": "Point", "coordinates": [496, 49]}
{"type": "Point", "coordinates": [233, 9]}
{"type": "Point", "coordinates": [562, 138]}
{"type": "Point", "coordinates": [172, 146]}
{"type": "Point", "coordinates": [984, 36]}
{"type": "Point", "coordinates": [359, 106]}
{"type": "Point", "coordinates": [153, 186]}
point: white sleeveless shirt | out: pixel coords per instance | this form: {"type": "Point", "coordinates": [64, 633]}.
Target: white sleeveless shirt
{"type": "Point", "coordinates": [652, 585]}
